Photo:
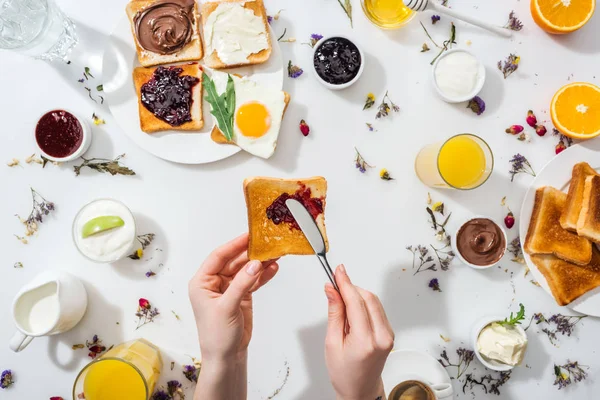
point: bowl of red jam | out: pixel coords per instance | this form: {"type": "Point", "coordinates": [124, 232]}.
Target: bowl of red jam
{"type": "Point", "coordinates": [337, 62]}
{"type": "Point", "coordinates": [62, 136]}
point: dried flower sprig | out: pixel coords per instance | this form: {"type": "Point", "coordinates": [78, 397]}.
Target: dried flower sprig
{"type": "Point", "coordinates": [385, 175]}
{"type": "Point", "coordinates": [360, 163]}
{"type": "Point", "coordinates": [510, 65]}
{"type": "Point", "coordinates": [103, 165]}
{"type": "Point", "coordinates": [294, 71]}
{"type": "Point", "coordinates": [465, 357]}
{"type": "Point", "coordinates": [384, 108]}
{"type": "Point", "coordinates": [347, 7]}
{"type": "Point", "coordinates": [569, 373]}
{"type": "Point", "coordinates": [425, 48]}
{"type": "Point", "coordinates": [447, 43]}
{"type": "Point", "coordinates": [489, 383]}
{"type": "Point", "coordinates": [191, 372]}
{"type": "Point", "coordinates": [97, 120]}
{"type": "Point", "coordinates": [145, 313]}
{"type": "Point", "coordinates": [435, 19]}
{"type": "Point", "coordinates": [563, 141]}
{"type": "Point", "coordinates": [314, 39]}
{"type": "Point", "coordinates": [145, 241]}
{"type": "Point", "coordinates": [41, 208]}
{"type": "Point", "coordinates": [370, 127]}
{"type": "Point", "coordinates": [275, 17]}
{"type": "Point", "coordinates": [285, 380]}
{"type": "Point", "coordinates": [514, 247]}
{"type": "Point", "coordinates": [434, 284]}
{"type": "Point", "coordinates": [18, 265]}
{"type": "Point", "coordinates": [6, 379]}
{"type": "Point", "coordinates": [477, 105]}
{"type": "Point", "coordinates": [513, 23]}
{"type": "Point", "coordinates": [369, 102]}
{"type": "Point", "coordinates": [95, 347]}
{"type": "Point", "coordinates": [304, 128]}
{"type": "Point", "coordinates": [424, 259]}
{"type": "Point", "coordinates": [565, 324]}
{"type": "Point", "coordinates": [520, 164]}
{"type": "Point", "coordinates": [288, 40]}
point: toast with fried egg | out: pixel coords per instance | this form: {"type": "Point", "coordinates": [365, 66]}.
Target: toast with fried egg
{"type": "Point", "coordinates": [273, 232]}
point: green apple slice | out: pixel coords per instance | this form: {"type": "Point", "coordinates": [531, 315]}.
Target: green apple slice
{"type": "Point", "coordinates": [101, 224]}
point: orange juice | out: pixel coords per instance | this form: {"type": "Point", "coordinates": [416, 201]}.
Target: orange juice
{"type": "Point", "coordinates": [387, 14]}
{"type": "Point", "coordinates": [128, 371]}
{"type": "Point", "coordinates": [461, 162]}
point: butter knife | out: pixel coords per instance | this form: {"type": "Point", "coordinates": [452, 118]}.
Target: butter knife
{"type": "Point", "coordinates": [313, 235]}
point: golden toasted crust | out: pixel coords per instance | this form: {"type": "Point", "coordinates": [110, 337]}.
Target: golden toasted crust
{"type": "Point", "coordinates": [267, 240]}
{"type": "Point", "coordinates": [588, 224]}
{"type": "Point", "coordinates": [570, 215]}
{"type": "Point", "coordinates": [217, 136]}
{"type": "Point", "coordinates": [546, 236]}
{"type": "Point", "coordinates": [258, 7]}
{"type": "Point", "coordinates": [149, 123]}
{"type": "Point", "coordinates": [193, 51]}
{"type": "Point", "coordinates": [568, 281]}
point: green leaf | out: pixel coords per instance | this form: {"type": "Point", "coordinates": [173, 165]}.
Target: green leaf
{"type": "Point", "coordinates": [515, 319]}
{"type": "Point", "coordinates": [230, 98]}
{"type": "Point", "coordinates": [219, 104]}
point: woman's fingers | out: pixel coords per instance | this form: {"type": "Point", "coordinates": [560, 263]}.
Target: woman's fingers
{"type": "Point", "coordinates": [356, 309]}
{"type": "Point", "coordinates": [241, 284]}
{"type": "Point", "coordinates": [336, 317]}
{"type": "Point", "coordinates": [384, 334]}
{"type": "Point", "coordinates": [219, 258]}
{"type": "Point", "coordinates": [269, 272]}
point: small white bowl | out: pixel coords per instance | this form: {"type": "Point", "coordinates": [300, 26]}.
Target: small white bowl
{"type": "Point", "coordinates": [343, 85]}
{"type": "Point", "coordinates": [491, 364]}
{"type": "Point", "coordinates": [85, 143]}
{"type": "Point", "coordinates": [453, 240]}
{"type": "Point", "coordinates": [476, 89]}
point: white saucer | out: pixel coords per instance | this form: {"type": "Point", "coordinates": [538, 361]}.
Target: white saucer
{"type": "Point", "coordinates": [410, 363]}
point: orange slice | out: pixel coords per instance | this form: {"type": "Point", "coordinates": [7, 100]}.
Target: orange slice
{"type": "Point", "coordinates": [575, 110]}
{"type": "Point", "coordinates": [562, 16]}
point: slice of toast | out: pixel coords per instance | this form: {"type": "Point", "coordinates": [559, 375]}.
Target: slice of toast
{"type": "Point", "coordinates": [269, 240]}
{"type": "Point", "coordinates": [149, 123]}
{"type": "Point", "coordinates": [546, 236]}
{"type": "Point", "coordinates": [211, 58]}
{"type": "Point", "coordinates": [193, 51]}
{"type": "Point", "coordinates": [570, 215]}
{"type": "Point", "coordinates": [217, 136]}
{"type": "Point", "coordinates": [588, 224]}
{"type": "Point", "coordinates": [568, 281]}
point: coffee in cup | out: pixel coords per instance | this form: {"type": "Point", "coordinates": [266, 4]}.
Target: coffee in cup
{"type": "Point", "coordinates": [412, 390]}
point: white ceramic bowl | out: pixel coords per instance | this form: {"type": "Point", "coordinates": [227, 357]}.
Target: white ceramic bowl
{"type": "Point", "coordinates": [343, 85]}
{"type": "Point", "coordinates": [85, 143]}
{"type": "Point", "coordinates": [476, 89]}
{"type": "Point", "coordinates": [491, 364]}
{"type": "Point", "coordinates": [462, 259]}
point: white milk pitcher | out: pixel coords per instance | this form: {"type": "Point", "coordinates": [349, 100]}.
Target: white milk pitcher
{"type": "Point", "coordinates": [54, 302]}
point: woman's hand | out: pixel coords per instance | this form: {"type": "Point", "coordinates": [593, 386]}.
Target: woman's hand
{"type": "Point", "coordinates": [359, 339]}
{"type": "Point", "coordinates": [221, 297]}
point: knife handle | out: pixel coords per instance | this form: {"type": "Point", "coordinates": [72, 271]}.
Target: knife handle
{"type": "Point", "coordinates": [328, 270]}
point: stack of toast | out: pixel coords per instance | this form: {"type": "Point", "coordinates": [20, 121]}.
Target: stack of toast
{"type": "Point", "coordinates": [562, 233]}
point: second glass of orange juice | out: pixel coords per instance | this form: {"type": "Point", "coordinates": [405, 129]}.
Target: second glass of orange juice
{"type": "Point", "coordinates": [387, 14]}
{"type": "Point", "coordinates": [128, 371]}
{"type": "Point", "coordinates": [462, 162]}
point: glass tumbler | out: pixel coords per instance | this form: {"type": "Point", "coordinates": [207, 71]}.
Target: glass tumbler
{"type": "Point", "coordinates": [36, 28]}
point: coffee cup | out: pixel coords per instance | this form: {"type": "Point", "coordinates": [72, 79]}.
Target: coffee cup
{"type": "Point", "coordinates": [54, 302]}
{"type": "Point", "coordinates": [418, 388]}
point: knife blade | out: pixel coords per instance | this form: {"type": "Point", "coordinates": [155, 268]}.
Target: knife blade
{"type": "Point", "coordinates": [312, 233]}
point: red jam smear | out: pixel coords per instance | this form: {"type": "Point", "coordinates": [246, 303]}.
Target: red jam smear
{"type": "Point", "coordinates": [278, 212]}
{"type": "Point", "coordinates": [59, 133]}
{"type": "Point", "coordinates": [168, 95]}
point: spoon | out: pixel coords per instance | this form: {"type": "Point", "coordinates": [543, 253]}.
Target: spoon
{"type": "Point", "coordinates": [422, 5]}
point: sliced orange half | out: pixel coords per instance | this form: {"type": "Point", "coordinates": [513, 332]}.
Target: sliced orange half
{"type": "Point", "coordinates": [562, 16]}
{"type": "Point", "coordinates": [575, 110]}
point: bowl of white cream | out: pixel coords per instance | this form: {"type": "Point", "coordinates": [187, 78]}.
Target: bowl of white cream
{"type": "Point", "coordinates": [499, 347]}
{"type": "Point", "coordinates": [102, 241]}
{"type": "Point", "coordinates": [458, 76]}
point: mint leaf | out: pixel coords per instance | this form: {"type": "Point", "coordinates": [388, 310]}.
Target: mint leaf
{"type": "Point", "coordinates": [220, 104]}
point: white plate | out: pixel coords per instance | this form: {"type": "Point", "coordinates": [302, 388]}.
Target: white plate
{"type": "Point", "coordinates": [557, 173]}
{"type": "Point", "coordinates": [187, 148]}
{"type": "Point", "coordinates": [413, 363]}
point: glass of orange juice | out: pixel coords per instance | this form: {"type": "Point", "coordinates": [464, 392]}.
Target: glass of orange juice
{"type": "Point", "coordinates": [128, 371]}
{"type": "Point", "coordinates": [387, 14]}
{"type": "Point", "coordinates": [462, 162]}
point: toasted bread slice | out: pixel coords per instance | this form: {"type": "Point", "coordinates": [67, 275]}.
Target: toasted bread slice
{"type": "Point", "coordinates": [568, 281]}
{"type": "Point", "coordinates": [149, 122]}
{"type": "Point", "coordinates": [546, 236]}
{"type": "Point", "coordinates": [267, 239]}
{"type": "Point", "coordinates": [588, 224]}
{"type": "Point", "coordinates": [217, 136]}
{"type": "Point", "coordinates": [193, 51]}
{"type": "Point", "coordinates": [211, 58]}
{"type": "Point", "coordinates": [570, 215]}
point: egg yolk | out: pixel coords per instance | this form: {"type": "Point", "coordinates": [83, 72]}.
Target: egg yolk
{"type": "Point", "coordinates": [253, 119]}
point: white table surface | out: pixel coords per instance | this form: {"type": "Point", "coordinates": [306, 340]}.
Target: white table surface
{"type": "Point", "coordinates": [192, 209]}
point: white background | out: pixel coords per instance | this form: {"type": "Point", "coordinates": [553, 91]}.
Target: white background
{"type": "Point", "coordinates": [192, 209]}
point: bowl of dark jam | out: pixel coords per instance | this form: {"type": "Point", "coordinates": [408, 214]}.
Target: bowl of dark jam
{"type": "Point", "coordinates": [338, 62]}
{"type": "Point", "coordinates": [62, 136]}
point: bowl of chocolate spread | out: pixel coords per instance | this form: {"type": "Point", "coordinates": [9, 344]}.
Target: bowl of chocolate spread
{"type": "Point", "coordinates": [480, 242]}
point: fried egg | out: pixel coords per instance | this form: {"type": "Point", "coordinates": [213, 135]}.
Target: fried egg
{"type": "Point", "coordinates": [258, 114]}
